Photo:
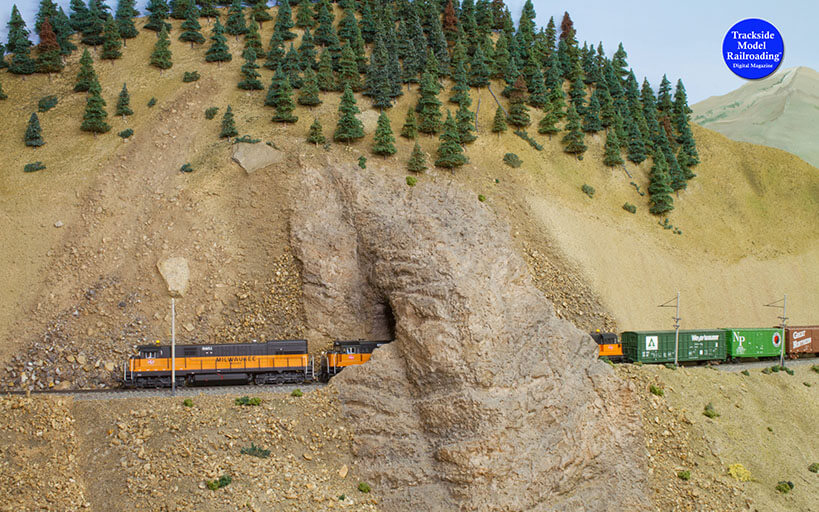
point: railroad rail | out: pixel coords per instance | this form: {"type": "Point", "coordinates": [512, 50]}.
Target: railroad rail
{"type": "Point", "coordinates": [185, 392]}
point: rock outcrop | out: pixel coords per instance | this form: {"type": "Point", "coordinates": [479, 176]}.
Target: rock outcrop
{"type": "Point", "coordinates": [175, 272]}
{"type": "Point", "coordinates": [253, 157]}
{"type": "Point", "coordinates": [486, 400]}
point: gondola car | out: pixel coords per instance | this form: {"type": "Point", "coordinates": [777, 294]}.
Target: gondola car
{"type": "Point", "coordinates": [346, 353]}
{"type": "Point", "coordinates": [273, 362]}
{"type": "Point", "coordinates": [609, 345]}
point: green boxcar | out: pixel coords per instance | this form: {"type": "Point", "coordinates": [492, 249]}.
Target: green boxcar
{"type": "Point", "coordinates": [658, 346]}
{"type": "Point", "coordinates": [754, 342]}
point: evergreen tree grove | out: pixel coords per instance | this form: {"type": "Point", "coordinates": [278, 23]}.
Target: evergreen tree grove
{"type": "Point", "coordinates": [280, 97]}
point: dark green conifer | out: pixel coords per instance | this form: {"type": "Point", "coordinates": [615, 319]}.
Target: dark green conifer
{"type": "Point", "coordinates": [384, 141]}
{"type": "Point", "coordinates": [93, 33]}
{"type": "Point", "coordinates": [618, 62]}
{"type": "Point", "coordinates": [228, 125]}
{"type": "Point", "coordinates": [123, 103]}
{"type": "Point", "coordinates": [478, 70]}
{"type": "Point", "coordinates": [418, 161]}
{"type": "Point", "coordinates": [591, 118]}
{"type": "Point", "coordinates": [253, 39]}
{"type": "Point", "coordinates": [518, 111]}
{"type": "Point", "coordinates": [17, 32]}
{"type": "Point", "coordinates": [450, 152]}
{"type": "Point", "coordinates": [573, 141]}
{"type": "Point", "coordinates": [259, 13]}
{"type": "Point", "coordinates": [236, 24]}
{"type": "Point", "coordinates": [315, 135]}
{"type": "Point", "coordinates": [250, 77]}
{"type": "Point", "coordinates": [307, 51]}
{"type": "Point", "coordinates": [325, 33]}
{"type": "Point", "coordinates": [191, 29]}
{"type": "Point", "coordinates": [62, 27]}
{"type": "Point", "coordinates": [538, 95]}
{"type": "Point", "coordinates": [284, 21]}
{"type": "Point", "coordinates": [94, 120]}
{"type": "Point", "coordinates": [367, 24]}
{"type": "Point", "coordinates": [348, 128]}
{"type": "Point", "coordinates": [207, 9]}
{"type": "Point", "coordinates": [325, 76]}
{"type": "Point", "coordinates": [499, 121]}
{"type": "Point", "coordinates": [280, 97]}
{"type": "Point", "coordinates": [577, 94]}
{"type": "Point", "coordinates": [80, 16]}
{"type": "Point", "coordinates": [636, 149]}
{"type": "Point", "coordinates": [548, 124]}
{"type": "Point", "coordinates": [348, 26]}
{"type": "Point", "coordinates": [611, 155]}
{"type": "Point", "coordinates": [47, 11]}
{"type": "Point", "coordinates": [219, 51]}
{"type": "Point", "coordinates": [87, 76]}
{"type": "Point", "coordinates": [465, 122]}
{"type": "Point", "coordinates": [157, 19]}
{"type": "Point", "coordinates": [34, 134]}
{"type": "Point", "coordinates": [410, 128]}
{"type": "Point", "coordinates": [348, 70]}
{"type": "Point", "coordinates": [659, 189]}
{"type": "Point", "coordinates": [276, 53]}
{"type": "Point", "coordinates": [501, 61]}
{"type": "Point", "coordinates": [21, 61]}
{"type": "Point", "coordinates": [309, 92]}
{"type": "Point", "coordinates": [112, 41]}
{"type": "Point", "coordinates": [460, 91]}
{"type": "Point", "coordinates": [665, 106]}
{"type": "Point", "coordinates": [607, 113]}
{"type": "Point", "coordinates": [161, 56]}
{"type": "Point", "coordinates": [291, 67]}
{"type": "Point", "coordinates": [180, 9]}
{"type": "Point", "coordinates": [126, 12]}
{"type": "Point", "coordinates": [429, 106]}
{"type": "Point", "coordinates": [378, 80]}
{"type": "Point", "coordinates": [304, 15]}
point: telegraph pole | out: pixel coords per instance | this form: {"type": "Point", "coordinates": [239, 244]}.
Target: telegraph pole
{"type": "Point", "coordinates": [173, 346]}
{"type": "Point", "coordinates": [784, 319]}
{"type": "Point", "coordinates": [677, 319]}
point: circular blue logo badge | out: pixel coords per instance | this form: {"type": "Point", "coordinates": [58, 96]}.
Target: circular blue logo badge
{"type": "Point", "coordinates": [753, 48]}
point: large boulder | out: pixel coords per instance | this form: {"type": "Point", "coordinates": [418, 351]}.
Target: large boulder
{"type": "Point", "coordinates": [486, 400]}
{"type": "Point", "coordinates": [253, 157]}
{"type": "Point", "coordinates": [175, 272]}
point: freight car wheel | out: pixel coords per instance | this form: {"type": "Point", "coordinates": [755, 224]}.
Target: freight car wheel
{"type": "Point", "coordinates": [259, 379]}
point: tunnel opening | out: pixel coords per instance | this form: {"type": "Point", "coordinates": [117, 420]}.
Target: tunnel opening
{"type": "Point", "coordinates": [383, 326]}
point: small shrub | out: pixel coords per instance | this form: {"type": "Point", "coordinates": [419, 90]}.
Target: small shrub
{"type": "Point", "coordinates": [784, 487]}
{"type": "Point", "coordinates": [709, 411]}
{"type": "Point", "coordinates": [187, 402]}
{"type": "Point", "coordinates": [638, 363]}
{"type": "Point", "coordinates": [806, 384]}
{"type": "Point", "coordinates": [151, 102]}
{"type": "Point", "coordinates": [47, 103]}
{"type": "Point", "coordinates": [532, 142]}
{"type": "Point", "coordinates": [190, 76]}
{"type": "Point", "coordinates": [297, 393]}
{"type": "Point", "coordinates": [815, 368]}
{"type": "Point", "coordinates": [341, 497]}
{"type": "Point", "coordinates": [255, 451]}
{"type": "Point", "coordinates": [670, 366]}
{"type": "Point", "coordinates": [362, 162]}
{"type": "Point", "coordinates": [186, 168]}
{"type": "Point", "coordinates": [512, 160]}
{"type": "Point", "coordinates": [637, 188]}
{"type": "Point", "coordinates": [775, 369]}
{"type": "Point", "coordinates": [766, 371]}
{"type": "Point", "coordinates": [655, 390]}
{"type": "Point", "coordinates": [739, 473]}
{"type": "Point", "coordinates": [247, 139]}
{"type": "Point", "coordinates": [33, 167]}
{"type": "Point", "coordinates": [411, 181]}
{"type": "Point", "coordinates": [364, 487]}
{"type": "Point", "coordinates": [787, 370]}
{"type": "Point", "coordinates": [246, 400]}
{"type": "Point", "coordinates": [630, 208]}
{"type": "Point", "coordinates": [588, 190]}
{"type": "Point", "coordinates": [223, 481]}
{"type": "Point", "coordinates": [684, 475]}
{"type": "Point", "coordinates": [126, 133]}
{"type": "Point", "coordinates": [814, 468]}
{"type": "Point", "coordinates": [745, 372]}
{"type": "Point", "coordinates": [481, 198]}
{"type": "Point", "coordinates": [770, 429]}
{"type": "Point", "coordinates": [211, 112]}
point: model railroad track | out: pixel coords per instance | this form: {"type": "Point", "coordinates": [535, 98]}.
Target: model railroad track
{"type": "Point", "coordinates": [184, 391]}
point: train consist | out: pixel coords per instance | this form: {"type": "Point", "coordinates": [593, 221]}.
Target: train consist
{"type": "Point", "coordinates": [707, 344]}
{"type": "Point", "coordinates": [272, 362]}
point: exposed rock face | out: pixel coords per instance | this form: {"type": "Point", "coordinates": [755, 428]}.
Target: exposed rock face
{"type": "Point", "coordinates": [485, 401]}
{"type": "Point", "coordinates": [253, 157]}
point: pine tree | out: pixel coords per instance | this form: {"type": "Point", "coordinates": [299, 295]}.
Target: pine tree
{"type": "Point", "coordinates": [618, 62]}
{"type": "Point", "coordinates": [518, 111]}
{"type": "Point", "coordinates": [125, 19]}
{"type": "Point", "coordinates": [161, 56]}
{"type": "Point", "coordinates": [291, 67]}
{"type": "Point", "coordinates": [191, 29]}
{"type": "Point", "coordinates": [574, 140]}
{"type": "Point", "coordinates": [418, 161]}
{"type": "Point", "coordinates": [450, 152]}
{"type": "Point", "coordinates": [460, 91]}
{"type": "Point", "coordinates": [429, 106]}
{"type": "Point", "coordinates": [250, 77]}
{"type": "Point", "coordinates": [410, 128]}
{"type": "Point", "coordinates": [219, 50]}
{"type": "Point", "coordinates": [159, 14]}
{"type": "Point", "coordinates": [62, 27]}
{"type": "Point", "coordinates": [659, 188]}
{"type": "Point", "coordinates": [93, 33]}
{"type": "Point", "coordinates": [235, 24]}
{"type": "Point", "coordinates": [49, 59]}
{"type": "Point", "coordinates": [591, 118]}
{"type": "Point", "coordinates": [499, 121]}
{"type": "Point", "coordinates": [548, 124]}
{"type": "Point", "coordinates": [180, 8]}
{"type": "Point", "coordinates": [465, 122]}
{"type": "Point", "coordinates": [21, 61]}
{"type": "Point", "coordinates": [315, 135]}
{"type": "Point", "coordinates": [680, 120]}
{"type": "Point", "coordinates": [348, 128]}
{"type": "Point", "coordinates": [17, 32]}
{"type": "Point", "coordinates": [47, 10]}
{"type": "Point", "coordinates": [367, 25]}
{"type": "Point", "coordinates": [309, 92]}
{"type": "Point", "coordinates": [665, 106]}
{"type": "Point", "coordinates": [79, 15]}
{"type": "Point", "coordinates": [259, 13]}
{"type": "Point", "coordinates": [123, 103]}
{"type": "Point", "coordinates": [538, 95]}
{"type": "Point", "coordinates": [325, 33]}
{"type": "Point", "coordinates": [326, 78]}
{"type": "Point", "coordinates": [636, 149]}
{"type": "Point", "coordinates": [95, 114]}
{"type": "Point", "coordinates": [348, 70]}
{"type": "Point", "coordinates": [478, 70]}
{"type": "Point", "coordinates": [284, 21]}
{"type": "Point", "coordinates": [304, 16]}
{"type": "Point", "coordinates": [307, 51]}
{"type": "Point", "coordinates": [87, 76]}
{"type": "Point", "coordinates": [675, 171]}
{"type": "Point", "coordinates": [253, 39]}
{"type": "Point", "coordinates": [450, 22]}
{"type": "Point", "coordinates": [228, 125]}
{"type": "Point", "coordinates": [384, 141]}
{"type": "Point", "coordinates": [207, 10]}
{"type": "Point", "coordinates": [280, 97]}
{"type": "Point", "coordinates": [611, 156]}
{"type": "Point", "coordinates": [112, 41]}
{"type": "Point", "coordinates": [378, 82]}
{"type": "Point", "coordinates": [34, 134]}
{"type": "Point", "coordinates": [348, 26]}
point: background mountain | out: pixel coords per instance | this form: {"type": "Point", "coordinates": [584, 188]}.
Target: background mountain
{"type": "Point", "coordinates": [781, 111]}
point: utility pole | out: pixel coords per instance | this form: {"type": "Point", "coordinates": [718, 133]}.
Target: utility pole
{"type": "Point", "coordinates": [677, 319]}
{"type": "Point", "coordinates": [784, 319]}
{"type": "Point", "coordinates": [173, 346]}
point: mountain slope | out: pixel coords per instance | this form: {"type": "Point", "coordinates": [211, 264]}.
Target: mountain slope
{"type": "Point", "coordinates": [781, 111]}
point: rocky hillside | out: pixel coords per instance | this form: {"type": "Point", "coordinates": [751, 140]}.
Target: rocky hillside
{"type": "Point", "coordinates": [781, 111]}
